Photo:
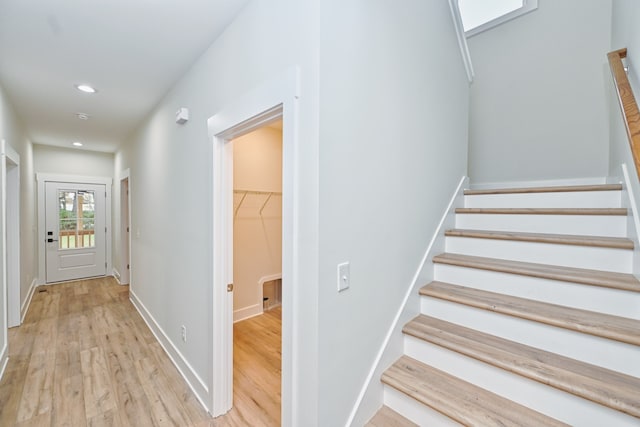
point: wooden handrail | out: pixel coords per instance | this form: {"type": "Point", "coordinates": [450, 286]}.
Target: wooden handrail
{"type": "Point", "coordinates": [628, 104]}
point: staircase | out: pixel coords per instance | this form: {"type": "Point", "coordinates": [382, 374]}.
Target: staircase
{"type": "Point", "coordinates": [532, 319]}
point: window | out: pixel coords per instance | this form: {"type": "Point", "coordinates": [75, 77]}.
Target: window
{"type": "Point", "coordinates": [478, 16]}
{"type": "Point", "coordinates": [76, 219]}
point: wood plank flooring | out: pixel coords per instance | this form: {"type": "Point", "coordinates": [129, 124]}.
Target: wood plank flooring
{"type": "Point", "coordinates": [84, 357]}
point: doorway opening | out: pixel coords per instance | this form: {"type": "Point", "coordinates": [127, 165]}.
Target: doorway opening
{"type": "Point", "coordinates": [124, 275]}
{"type": "Point", "coordinates": [11, 187]}
{"type": "Point", "coordinates": [257, 272]}
{"type": "Point", "coordinates": [275, 99]}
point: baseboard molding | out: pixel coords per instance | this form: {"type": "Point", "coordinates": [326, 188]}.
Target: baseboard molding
{"type": "Point", "coordinates": [116, 274]}
{"type": "Point", "coordinates": [370, 397]}
{"type": "Point", "coordinates": [539, 183]}
{"type": "Point", "coordinates": [187, 372]}
{"type": "Point", "coordinates": [27, 302]}
{"type": "Point", "coordinates": [4, 359]}
{"type": "Point", "coordinates": [247, 312]}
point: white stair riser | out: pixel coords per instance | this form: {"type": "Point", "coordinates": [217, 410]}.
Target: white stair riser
{"type": "Point", "coordinates": [588, 225]}
{"type": "Point", "coordinates": [415, 411]}
{"type": "Point", "coordinates": [586, 297]}
{"type": "Point", "coordinates": [577, 199]}
{"type": "Point", "coordinates": [603, 352]}
{"type": "Point", "coordinates": [595, 258]}
{"type": "Point", "coordinates": [545, 399]}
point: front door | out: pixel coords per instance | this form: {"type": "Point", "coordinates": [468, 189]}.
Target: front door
{"type": "Point", "coordinates": [75, 231]}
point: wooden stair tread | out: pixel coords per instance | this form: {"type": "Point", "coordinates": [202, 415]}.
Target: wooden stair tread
{"type": "Point", "coordinates": [606, 279]}
{"type": "Point", "coordinates": [589, 322]}
{"type": "Point", "coordinates": [556, 189]}
{"type": "Point", "coordinates": [458, 399]}
{"type": "Point", "coordinates": [613, 389]}
{"type": "Point", "coordinates": [562, 239]}
{"type": "Point", "coordinates": [544, 211]}
{"type": "Point", "coordinates": [387, 417]}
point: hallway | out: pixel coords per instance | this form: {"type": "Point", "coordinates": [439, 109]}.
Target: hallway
{"type": "Point", "coordinates": [84, 357]}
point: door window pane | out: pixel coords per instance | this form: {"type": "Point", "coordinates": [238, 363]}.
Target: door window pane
{"type": "Point", "coordinates": [76, 219]}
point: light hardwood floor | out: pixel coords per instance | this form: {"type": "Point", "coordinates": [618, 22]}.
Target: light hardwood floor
{"type": "Point", "coordinates": [84, 357]}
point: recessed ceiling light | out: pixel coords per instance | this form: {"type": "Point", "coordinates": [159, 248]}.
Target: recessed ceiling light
{"type": "Point", "coordinates": [77, 144]}
{"type": "Point", "coordinates": [86, 88]}
{"type": "Point", "coordinates": [82, 116]}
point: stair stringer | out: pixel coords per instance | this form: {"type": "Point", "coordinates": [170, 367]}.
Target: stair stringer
{"type": "Point", "coordinates": [371, 396]}
{"type": "Point", "coordinates": [630, 193]}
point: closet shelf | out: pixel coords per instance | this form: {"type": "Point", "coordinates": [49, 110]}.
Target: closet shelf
{"type": "Point", "coordinates": [245, 193]}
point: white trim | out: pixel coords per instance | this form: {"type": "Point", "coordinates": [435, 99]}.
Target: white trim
{"type": "Point", "coordinates": [277, 97]}
{"type": "Point", "coordinates": [12, 236]}
{"type": "Point", "coordinates": [247, 312]}
{"type": "Point", "coordinates": [10, 225]}
{"type": "Point", "coordinates": [409, 308]}
{"type": "Point", "coordinates": [126, 279]}
{"type": "Point", "coordinates": [27, 301]}
{"type": "Point", "coordinates": [462, 39]}
{"type": "Point", "coordinates": [116, 275]}
{"type": "Point", "coordinates": [4, 321]}
{"type": "Point", "coordinates": [195, 383]}
{"type": "Point", "coordinates": [262, 281]}
{"type": "Point", "coordinates": [4, 359]}
{"type": "Point", "coordinates": [633, 227]}
{"type": "Point", "coordinates": [41, 179]}
{"type": "Point", "coordinates": [539, 183]}
{"type": "Point", "coordinates": [528, 6]}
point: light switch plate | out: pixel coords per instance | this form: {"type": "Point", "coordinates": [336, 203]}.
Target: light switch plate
{"type": "Point", "coordinates": [344, 276]}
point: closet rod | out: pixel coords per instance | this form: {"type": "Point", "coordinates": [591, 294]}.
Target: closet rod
{"type": "Point", "coordinates": [244, 193]}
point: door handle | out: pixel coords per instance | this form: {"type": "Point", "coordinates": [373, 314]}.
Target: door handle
{"type": "Point", "coordinates": [52, 240]}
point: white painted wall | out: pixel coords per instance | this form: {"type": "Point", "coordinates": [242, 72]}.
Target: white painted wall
{"type": "Point", "coordinates": [257, 238]}
{"type": "Point", "coordinates": [171, 182]}
{"type": "Point", "coordinates": [383, 113]}
{"type": "Point", "coordinates": [538, 101]}
{"type": "Point", "coordinates": [69, 161]}
{"type": "Point", "coordinates": [625, 33]}
{"type": "Point", "coordinates": [11, 129]}
{"type": "Point", "coordinates": [393, 146]}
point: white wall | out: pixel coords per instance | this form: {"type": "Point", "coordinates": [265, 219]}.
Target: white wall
{"type": "Point", "coordinates": [11, 129]}
{"type": "Point", "coordinates": [69, 161]}
{"type": "Point", "coordinates": [625, 32]}
{"type": "Point", "coordinates": [382, 136]}
{"type": "Point", "coordinates": [257, 237]}
{"type": "Point", "coordinates": [393, 147]}
{"type": "Point", "coordinates": [171, 182]}
{"type": "Point", "coordinates": [538, 101]}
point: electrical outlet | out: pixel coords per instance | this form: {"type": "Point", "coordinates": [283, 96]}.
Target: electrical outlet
{"type": "Point", "coordinates": [183, 329]}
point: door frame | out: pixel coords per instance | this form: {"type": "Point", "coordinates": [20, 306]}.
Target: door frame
{"type": "Point", "coordinates": [43, 178]}
{"type": "Point", "coordinates": [275, 99]}
{"type": "Point", "coordinates": [11, 231]}
{"type": "Point", "coordinates": [125, 222]}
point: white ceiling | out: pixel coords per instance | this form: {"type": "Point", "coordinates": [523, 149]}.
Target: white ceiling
{"type": "Point", "coordinates": [132, 51]}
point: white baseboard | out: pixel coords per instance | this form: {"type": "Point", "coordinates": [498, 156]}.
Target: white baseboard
{"type": "Point", "coordinates": [539, 183]}
{"type": "Point", "coordinates": [27, 302]}
{"type": "Point", "coordinates": [184, 367]}
{"type": "Point", "coordinates": [370, 397]}
{"type": "Point", "coordinates": [4, 359]}
{"type": "Point", "coordinates": [247, 312]}
{"type": "Point", "coordinates": [116, 274]}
